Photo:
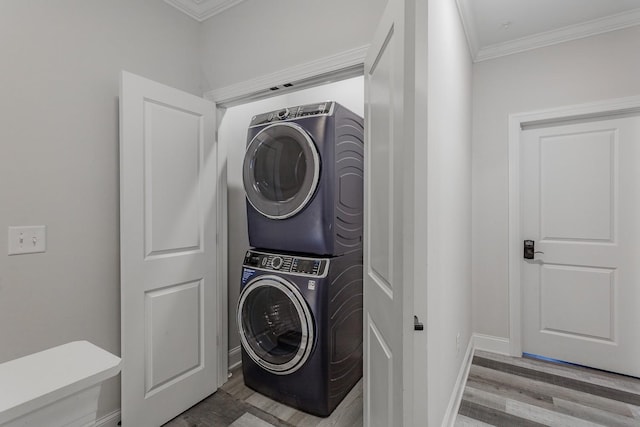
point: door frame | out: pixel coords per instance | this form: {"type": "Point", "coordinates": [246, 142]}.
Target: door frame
{"type": "Point", "coordinates": [342, 65]}
{"type": "Point", "coordinates": [517, 123]}
{"type": "Point", "coordinates": [349, 63]}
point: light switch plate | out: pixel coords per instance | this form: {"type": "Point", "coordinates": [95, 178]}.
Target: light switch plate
{"type": "Point", "coordinates": [27, 239]}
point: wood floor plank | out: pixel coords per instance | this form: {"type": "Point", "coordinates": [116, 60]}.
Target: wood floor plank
{"type": "Point", "coordinates": [507, 390]}
{"type": "Point", "coordinates": [535, 392]}
{"type": "Point", "coordinates": [560, 380]}
{"type": "Point", "coordinates": [462, 421]}
{"type": "Point", "coordinates": [605, 379]}
{"type": "Point", "coordinates": [588, 413]}
{"type": "Point", "coordinates": [481, 397]}
{"type": "Point", "coordinates": [561, 406]}
{"type": "Point", "coordinates": [270, 406]}
{"type": "Point", "coordinates": [635, 410]}
{"type": "Point", "coordinates": [304, 420]}
{"type": "Point", "coordinates": [249, 420]}
{"type": "Point", "coordinates": [493, 416]}
{"type": "Point", "coordinates": [546, 417]}
{"type": "Point", "coordinates": [347, 414]}
{"type": "Point", "coordinates": [221, 410]}
{"type": "Point", "coordinates": [525, 406]}
{"type": "Point", "coordinates": [524, 385]}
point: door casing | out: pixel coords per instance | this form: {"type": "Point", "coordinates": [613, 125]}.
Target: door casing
{"type": "Point", "coordinates": [343, 65]}
{"type": "Point", "coordinates": [349, 63]}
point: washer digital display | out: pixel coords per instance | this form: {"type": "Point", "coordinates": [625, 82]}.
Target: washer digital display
{"type": "Point", "coordinates": [305, 265]}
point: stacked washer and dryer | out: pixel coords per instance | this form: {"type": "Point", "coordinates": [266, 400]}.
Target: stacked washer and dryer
{"type": "Point", "coordinates": [300, 306]}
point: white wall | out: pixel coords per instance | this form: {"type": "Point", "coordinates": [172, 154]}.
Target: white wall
{"type": "Point", "coordinates": [596, 68]}
{"type": "Point", "coordinates": [260, 37]}
{"type": "Point", "coordinates": [59, 82]}
{"type": "Point", "coordinates": [233, 136]}
{"type": "Point", "coordinates": [449, 203]}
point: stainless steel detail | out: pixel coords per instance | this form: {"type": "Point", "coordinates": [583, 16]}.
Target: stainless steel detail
{"type": "Point", "coordinates": [274, 114]}
{"type": "Point", "coordinates": [283, 114]}
{"type": "Point", "coordinates": [253, 146]}
{"type": "Point", "coordinates": [322, 273]}
{"type": "Point", "coordinates": [277, 262]}
{"type": "Point", "coordinates": [306, 321]}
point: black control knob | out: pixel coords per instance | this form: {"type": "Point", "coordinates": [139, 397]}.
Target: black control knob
{"type": "Point", "coordinates": [277, 262]}
{"type": "Point", "coordinates": [283, 114]}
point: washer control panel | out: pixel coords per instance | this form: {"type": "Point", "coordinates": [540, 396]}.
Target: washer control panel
{"type": "Point", "coordinates": [286, 263]}
{"type": "Point", "coordinates": [323, 108]}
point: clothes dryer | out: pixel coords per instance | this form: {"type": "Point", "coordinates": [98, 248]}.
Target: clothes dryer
{"type": "Point", "coordinates": [303, 176]}
{"type": "Point", "coordinates": [300, 324]}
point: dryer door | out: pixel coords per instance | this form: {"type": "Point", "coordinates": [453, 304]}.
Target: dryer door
{"type": "Point", "coordinates": [281, 170]}
{"type": "Point", "coordinates": [276, 326]}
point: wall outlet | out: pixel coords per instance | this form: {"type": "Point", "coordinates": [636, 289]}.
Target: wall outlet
{"type": "Point", "coordinates": [27, 239]}
{"type": "Point", "coordinates": [458, 342]}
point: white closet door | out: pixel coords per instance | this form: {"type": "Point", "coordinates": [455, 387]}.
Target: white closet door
{"type": "Point", "coordinates": [168, 251]}
{"type": "Point", "coordinates": [389, 145]}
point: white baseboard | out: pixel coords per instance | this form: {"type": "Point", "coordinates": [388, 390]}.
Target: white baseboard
{"type": "Point", "coordinates": [491, 343]}
{"type": "Point", "coordinates": [109, 420]}
{"type": "Point", "coordinates": [456, 396]}
{"type": "Point", "coordinates": [235, 357]}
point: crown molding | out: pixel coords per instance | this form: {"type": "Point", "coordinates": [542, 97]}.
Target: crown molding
{"type": "Point", "coordinates": [573, 32]}
{"type": "Point", "coordinates": [469, 26]}
{"type": "Point", "coordinates": [330, 64]}
{"type": "Point", "coordinates": [202, 9]}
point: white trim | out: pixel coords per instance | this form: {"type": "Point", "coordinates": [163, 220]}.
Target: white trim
{"type": "Point", "coordinates": [329, 64]}
{"type": "Point", "coordinates": [492, 343]}
{"type": "Point", "coordinates": [222, 256]}
{"type": "Point", "coordinates": [516, 121]}
{"type": "Point", "coordinates": [469, 26]}
{"type": "Point", "coordinates": [461, 382]}
{"type": "Point", "coordinates": [235, 357]}
{"type": "Point", "coordinates": [202, 10]}
{"type": "Point", "coordinates": [572, 32]}
{"type": "Point", "coordinates": [110, 420]}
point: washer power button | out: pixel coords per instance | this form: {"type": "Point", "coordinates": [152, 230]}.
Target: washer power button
{"type": "Point", "coordinates": [277, 262]}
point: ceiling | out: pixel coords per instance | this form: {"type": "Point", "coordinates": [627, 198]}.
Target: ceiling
{"type": "Point", "coordinates": [501, 27]}
{"type": "Point", "coordinates": [202, 9]}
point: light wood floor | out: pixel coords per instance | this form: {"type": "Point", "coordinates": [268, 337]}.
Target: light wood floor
{"type": "Point", "coordinates": [500, 391]}
{"type": "Point", "coordinates": [236, 405]}
{"type": "Point", "coordinates": [510, 391]}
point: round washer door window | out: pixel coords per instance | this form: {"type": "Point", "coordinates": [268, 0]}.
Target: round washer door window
{"type": "Point", "coordinates": [281, 170]}
{"type": "Point", "coordinates": [276, 327]}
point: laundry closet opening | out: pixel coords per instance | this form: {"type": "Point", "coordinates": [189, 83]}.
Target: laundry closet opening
{"type": "Point", "coordinates": [232, 137]}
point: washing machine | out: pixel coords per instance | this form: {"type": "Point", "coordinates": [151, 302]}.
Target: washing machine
{"type": "Point", "coordinates": [300, 324]}
{"type": "Point", "coordinates": [303, 178]}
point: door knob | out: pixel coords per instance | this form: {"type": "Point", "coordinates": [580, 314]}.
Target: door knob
{"type": "Point", "coordinates": [529, 249]}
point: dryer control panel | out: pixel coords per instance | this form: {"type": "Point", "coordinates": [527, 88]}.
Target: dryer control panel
{"type": "Point", "coordinates": [320, 109]}
{"type": "Point", "coordinates": [286, 263]}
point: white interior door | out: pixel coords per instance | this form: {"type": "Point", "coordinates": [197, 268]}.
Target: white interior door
{"type": "Point", "coordinates": [388, 222]}
{"type": "Point", "coordinates": [581, 205]}
{"type": "Point", "coordinates": [168, 251]}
